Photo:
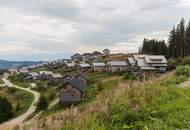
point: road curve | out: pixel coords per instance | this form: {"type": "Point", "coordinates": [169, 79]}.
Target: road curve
{"type": "Point", "coordinates": [30, 111]}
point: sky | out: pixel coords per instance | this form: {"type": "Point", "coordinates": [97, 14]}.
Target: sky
{"type": "Point", "coordinates": [53, 29]}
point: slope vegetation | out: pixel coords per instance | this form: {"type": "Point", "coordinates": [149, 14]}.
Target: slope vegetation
{"type": "Point", "coordinates": [156, 104]}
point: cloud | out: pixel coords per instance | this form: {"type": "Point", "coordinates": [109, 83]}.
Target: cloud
{"type": "Point", "coordinates": [47, 29]}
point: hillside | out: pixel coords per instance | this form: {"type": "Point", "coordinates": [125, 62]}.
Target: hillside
{"type": "Point", "coordinates": [14, 64]}
{"type": "Point", "coordinates": [154, 104]}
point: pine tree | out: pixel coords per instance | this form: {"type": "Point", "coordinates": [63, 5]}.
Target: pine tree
{"type": "Point", "coordinates": [187, 38]}
{"type": "Point", "coordinates": [154, 47]}
{"type": "Point", "coordinates": [6, 111]}
{"type": "Point", "coordinates": [181, 36]}
{"type": "Point", "coordinates": [172, 48]}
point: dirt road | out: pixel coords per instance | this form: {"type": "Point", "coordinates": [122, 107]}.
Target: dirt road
{"type": "Point", "coordinates": [30, 111]}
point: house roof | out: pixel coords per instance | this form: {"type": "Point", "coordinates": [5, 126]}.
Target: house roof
{"type": "Point", "coordinates": [106, 50]}
{"type": "Point", "coordinates": [98, 64]}
{"type": "Point", "coordinates": [131, 60]}
{"type": "Point", "coordinates": [138, 57]}
{"type": "Point", "coordinates": [46, 72]}
{"type": "Point", "coordinates": [74, 75]}
{"type": "Point", "coordinates": [23, 70]}
{"type": "Point", "coordinates": [83, 75]}
{"type": "Point", "coordinates": [96, 53]}
{"type": "Point", "coordinates": [83, 65]}
{"type": "Point", "coordinates": [77, 83]}
{"type": "Point", "coordinates": [142, 63]}
{"type": "Point", "coordinates": [34, 74]}
{"type": "Point", "coordinates": [160, 59]}
{"type": "Point", "coordinates": [117, 63]}
{"type": "Point", "coordinates": [70, 64]}
{"type": "Point", "coordinates": [71, 75]}
{"type": "Point", "coordinates": [56, 76]}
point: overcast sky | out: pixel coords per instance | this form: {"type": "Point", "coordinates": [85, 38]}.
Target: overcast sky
{"type": "Point", "coordinates": [49, 29]}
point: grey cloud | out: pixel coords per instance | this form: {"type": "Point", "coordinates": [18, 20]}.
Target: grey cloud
{"type": "Point", "coordinates": [98, 24]}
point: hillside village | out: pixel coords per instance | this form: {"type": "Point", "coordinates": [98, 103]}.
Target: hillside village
{"type": "Point", "coordinates": [73, 82]}
{"type": "Point", "coordinates": [76, 87]}
{"type": "Point", "coordinates": [95, 65]}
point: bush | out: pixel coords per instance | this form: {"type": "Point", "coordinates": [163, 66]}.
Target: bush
{"type": "Point", "coordinates": [51, 95]}
{"type": "Point", "coordinates": [180, 79]}
{"type": "Point", "coordinates": [186, 61]}
{"type": "Point", "coordinates": [11, 90]}
{"type": "Point", "coordinates": [183, 70]}
{"type": "Point", "coordinates": [43, 103]}
{"type": "Point", "coordinates": [130, 76]}
{"type": "Point", "coordinates": [6, 111]}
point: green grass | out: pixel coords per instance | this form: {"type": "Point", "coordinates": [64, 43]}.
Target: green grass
{"type": "Point", "coordinates": [94, 86]}
{"type": "Point", "coordinates": [1, 81]}
{"type": "Point", "coordinates": [94, 89]}
{"type": "Point", "coordinates": [18, 96]}
{"type": "Point", "coordinates": [130, 105]}
{"type": "Point", "coordinates": [25, 100]}
{"type": "Point", "coordinates": [19, 80]}
{"type": "Point", "coordinates": [154, 106]}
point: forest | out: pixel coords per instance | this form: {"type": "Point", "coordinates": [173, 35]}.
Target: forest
{"type": "Point", "coordinates": [178, 44]}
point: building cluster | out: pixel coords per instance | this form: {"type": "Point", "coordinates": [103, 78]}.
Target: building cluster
{"type": "Point", "coordinates": [135, 63]}
{"type": "Point", "coordinates": [94, 56]}
{"type": "Point", "coordinates": [73, 86]}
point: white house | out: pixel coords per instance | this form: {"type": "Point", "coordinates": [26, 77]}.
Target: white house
{"type": "Point", "coordinates": [46, 74]}
{"type": "Point", "coordinates": [23, 71]}
{"type": "Point", "coordinates": [117, 66]}
{"type": "Point", "coordinates": [151, 62]}
{"type": "Point", "coordinates": [157, 61]}
{"type": "Point", "coordinates": [34, 75]}
{"type": "Point", "coordinates": [57, 76]}
{"type": "Point", "coordinates": [84, 66]}
{"type": "Point", "coordinates": [70, 66]}
{"type": "Point", "coordinates": [98, 66]}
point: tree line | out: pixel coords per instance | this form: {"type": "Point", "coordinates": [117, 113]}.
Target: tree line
{"type": "Point", "coordinates": [178, 43]}
{"type": "Point", "coordinates": [6, 111]}
{"type": "Point", "coordinates": [154, 47]}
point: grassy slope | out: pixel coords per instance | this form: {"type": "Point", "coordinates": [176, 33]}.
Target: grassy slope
{"type": "Point", "coordinates": [131, 105]}
{"type": "Point", "coordinates": [158, 105]}
{"type": "Point", "coordinates": [18, 96]}
{"type": "Point", "coordinates": [1, 81]}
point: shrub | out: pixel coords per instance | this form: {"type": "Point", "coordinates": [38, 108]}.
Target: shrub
{"type": "Point", "coordinates": [186, 61]}
{"type": "Point", "coordinates": [183, 70]}
{"type": "Point", "coordinates": [11, 90]}
{"type": "Point", "coordinates": [17, 106]}
{"type": "Point", "coordinates": [180, 79]}
{"type": "Point", "coordinates": [51, 95]}
{"type": "Point", "coordinates": [6, 111]}
{"type": "Point", "coordinates": [42, 104]}
{"type": "Point", "coordinates": [130, 76]}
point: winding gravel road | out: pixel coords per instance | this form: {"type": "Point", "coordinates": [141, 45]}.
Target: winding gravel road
{"type": "Point", "coordinates": [30, 111]}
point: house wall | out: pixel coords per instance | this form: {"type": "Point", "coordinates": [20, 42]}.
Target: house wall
{"type": "Point", "coordinates": [67, 68]}
{"type": "Point", "coordinates": [69, 95]}
{"type": "Point", "coordinates": [117, 68]}
{"type": "Point", "coordinates": [84, 68]}
{"type": "Point", "coordinates": [98, 69]}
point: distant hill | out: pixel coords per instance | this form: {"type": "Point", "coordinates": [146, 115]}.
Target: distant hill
{"type": "Point", "coordinates": [14, 64]}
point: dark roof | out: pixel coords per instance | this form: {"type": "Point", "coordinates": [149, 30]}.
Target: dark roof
{"type": "Point", "coordinates": [77, 83]}
{"type": "Point", "coordinates": [75, 75]}
{"type": "Point", "coordinates": [86, 54]}
{"type": "Point", "coordinates": [83, 75]}
{"type": "Point", "coordinates": [96, 53]}
{"type": "Point", "coordinates": [72, 75]}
